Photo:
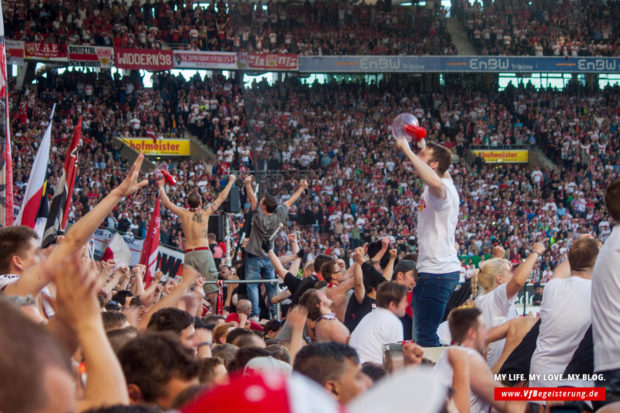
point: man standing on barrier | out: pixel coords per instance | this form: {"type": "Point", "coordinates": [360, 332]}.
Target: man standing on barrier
{"type": "Point", "coordinates": [266, 222]}
{"type": "Point", "coordinates": [195, 222]}
{"type": "Point", "coordinates": [438, 264]}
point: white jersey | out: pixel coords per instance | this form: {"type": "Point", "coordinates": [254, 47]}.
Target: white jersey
{"type": "Point", "coordinates": [436, 229]}
{"type": "Point", "coordinates": [443, 371]}
{"type": "Point", "coordinates": [565, 316]}
{"type": "Point", "coordinates": [606, 304]}
{"type": "Point", "coordinates": [497, 308]}
{"type": "Point", "coordinates": [377, 328]}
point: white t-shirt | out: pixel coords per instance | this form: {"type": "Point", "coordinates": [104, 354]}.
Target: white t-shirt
{"type": "Point", "coordinates": [565, 316]}
{"type": "Point", "coordinates": [377, 328]}
{"type": "Point", "coordinates": [437, 221]}
{"type": "Point", "coordinates": [606, 304]}
{"type": "Point", "coordinates": [496, 309]}
{"type": "Point", "coordinates": [8, 279]}
{"type": "Point", "coordinates": [443, 370]}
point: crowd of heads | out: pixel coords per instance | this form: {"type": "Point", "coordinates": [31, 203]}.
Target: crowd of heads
{"type": "Point", "coordinates": [523, 28]}
{"type": "Point", "coordinates": [310, 28]}
{"type": "Point", "coordinates": [321, 132]}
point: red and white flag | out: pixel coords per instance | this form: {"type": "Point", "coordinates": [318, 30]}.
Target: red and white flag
{"type": "Point", "coordinates": [6, 165]}
{"type": "Point", "coordinates": [117, 250]}
{"type": "Point", "coordinates": [32, 198]}
{"type": "Point", "coordinates": [151, 246]}
{"type": "Point", "coordinates": [63, 192]}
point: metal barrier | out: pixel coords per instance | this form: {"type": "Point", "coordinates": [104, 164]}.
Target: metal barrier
{"type": "Point", "coordinates": [272, 281]}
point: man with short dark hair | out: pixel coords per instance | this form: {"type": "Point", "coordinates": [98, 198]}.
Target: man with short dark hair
{"type": "Point", "coordinates": [20, 251]}
{"type": "Point", "coordinates": [382, 325]}
{"type": "Point", "coordinates": [157, 368]}
{"type": "Point", "coordinates": [195, 222]}
{"type": "Point", "coordinates": [176, 321]}
{"type": "Point", "coordinates": [334, 366]}
{"type": "Point", "coordinates": [606, 301]}
{"type": "Point", "coordinates": [438, 265]}
{"type": "Point", "coordinates": [266, 221]}
{"type": "Point", "coordinates": [405, 273]}
{"type": "Point", "coordinates": [465, 359]}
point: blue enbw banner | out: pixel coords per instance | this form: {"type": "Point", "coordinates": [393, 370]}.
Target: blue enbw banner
{"type": "Point", "coordinates": [474, 64]}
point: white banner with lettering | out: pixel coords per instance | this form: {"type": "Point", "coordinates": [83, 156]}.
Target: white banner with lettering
{"type": "Point", "coordinates": [169, 261]}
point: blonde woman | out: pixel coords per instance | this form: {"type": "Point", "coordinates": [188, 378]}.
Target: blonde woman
{"type": "Point", "coordinates": [495, 288]}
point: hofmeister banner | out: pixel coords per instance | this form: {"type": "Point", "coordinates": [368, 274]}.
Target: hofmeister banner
{"type": "Point", "coordinates": [186, 59]}
{"type": "Point", "coordinates": [162, 147]}
{"type": "Point", "coordinates": [147, 59]}
{"type": "Point", "coordinates": [503, 156]}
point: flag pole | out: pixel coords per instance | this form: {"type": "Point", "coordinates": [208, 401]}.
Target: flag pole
{"type": "Point", "coordinates": [6, 163]}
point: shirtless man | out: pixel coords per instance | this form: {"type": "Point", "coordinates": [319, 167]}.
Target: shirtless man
{"type": "Point", "coordinates": [340, 283]}
{"type": "Point", "coordinates": [195, 222]}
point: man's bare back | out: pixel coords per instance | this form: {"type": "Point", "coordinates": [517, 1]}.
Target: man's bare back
{"type": "Point", "coordinates": [195, 221]}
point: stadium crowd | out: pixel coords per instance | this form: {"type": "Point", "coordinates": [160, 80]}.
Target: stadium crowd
{"type": "Point", "coordinates": [350, 202]}
{"type": "Point", "coordinates": [525, 28]}
{"type": "Point", "coordinates": [317, 28]}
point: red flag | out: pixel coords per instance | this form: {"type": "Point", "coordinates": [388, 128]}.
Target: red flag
{"type": "Point", "coordinates": [151, 246]}
{"type": "Point", "coordinates": [32, 197]}
{"type": "Point", "coordinates": [6, 165]}
{"type": "Point", "coordinates": [71, 170]}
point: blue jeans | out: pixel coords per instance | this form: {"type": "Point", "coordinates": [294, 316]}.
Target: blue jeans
{"type": "Point", "coordinates": [256, 268]}
{"type": "Point", "coordinates": [429, 300]}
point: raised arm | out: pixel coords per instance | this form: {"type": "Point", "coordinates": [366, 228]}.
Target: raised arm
{"type": "Point", "coordinates": [459, 361]}
{"type": "Point", "coordinates": [523, 271]}
{"type": "Point", "coordinates": [190, 275]}
{"type": "Point", "coordinates": [33, 281]}
{"type": "Point", "coordinates": [277, 265]}
{"type": "Point", "coordinates": [358, 277]}
{"type": "Point", "coordinates": [425, 172]}
{"type": "Point", "coordinates": [303, 184]}
{"type": "Point", "coordinates": [250, 193]}
{"type": "Point", "coordinates": [224, 194]}
{"type": "Point", "coordinates": [177, 210]}
{"type": "Point", "coordinates": [77, 305]}
{"type": "Point", "coordinates": [388, 271]}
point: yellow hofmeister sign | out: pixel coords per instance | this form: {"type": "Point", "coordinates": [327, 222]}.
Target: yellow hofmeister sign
{"type": "Point", "coordinates": [169, 147]}
{"type": "Point", "coordinates": [503, 156]}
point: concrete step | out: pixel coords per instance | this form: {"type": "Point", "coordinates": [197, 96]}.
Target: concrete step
{"type": "Point", "coordinates": [460, 38]}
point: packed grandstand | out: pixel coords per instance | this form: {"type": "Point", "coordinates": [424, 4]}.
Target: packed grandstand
{"type": "Point", "coordinates": [273, 222]}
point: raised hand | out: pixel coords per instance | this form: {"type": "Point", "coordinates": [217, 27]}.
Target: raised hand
{"type": "Point", "coordinates": [498, 252]}
{"type": "Point", "coordinates": [358, 255]}
{"type": "Point", "coordinates": [413, 353]}
{"type": "Point", "coordinates": [131, 184]}
{"type": "Point", "coordinates": [76, 293]}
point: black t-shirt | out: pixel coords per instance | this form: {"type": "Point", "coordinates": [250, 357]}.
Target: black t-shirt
{"type": "Point", "coordinates": [356, 311]}
{"type": "Point", "coordinates": [292, 282]}
{"type": "Point", "coordinates": [306, 284]}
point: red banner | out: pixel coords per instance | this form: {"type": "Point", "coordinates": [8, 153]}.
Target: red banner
{"type": "Point", "coordinates": [268, 61]}
{"type": "Point", "coordinates": [146, 59]}
{"type": "Point", "coordinates": [45, 51]}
